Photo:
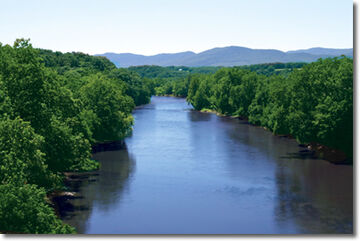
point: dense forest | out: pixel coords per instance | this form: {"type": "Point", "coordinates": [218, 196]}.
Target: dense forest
{"type": "Point", "coordinates": [310, 102]}
{"type": "Point", "coordinates": [55, 106]}
{"type": "Point", "coordinates": [172, 80]}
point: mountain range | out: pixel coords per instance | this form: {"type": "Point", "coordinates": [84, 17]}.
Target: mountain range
{"type": "Point", "coordinates": [225, 56]}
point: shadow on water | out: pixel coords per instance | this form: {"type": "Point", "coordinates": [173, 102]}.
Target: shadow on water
{"type": "Point", "coordinates": [196, 116]}
{"type": "Point", "coordinates": [312, 194]}
{"type": "Point", "coordinates": [101, 189]}
{"type": "Point", "coordinates": [109, 146]}
{"type": "Point", "coordinates": [190, 162]}
{"type": "Point", "coordinates": [302, 154]}
{"type": "Point", "coordinates": [309, 195]}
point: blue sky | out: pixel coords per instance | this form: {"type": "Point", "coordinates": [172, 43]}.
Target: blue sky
{"type": "Point", "coordinates": [167, 26]}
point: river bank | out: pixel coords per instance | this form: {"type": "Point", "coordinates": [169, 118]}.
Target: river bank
{"type": "Point", "coordinates": [179, 164]}
{"type": "Point", "coordinates": [320, 151]}
{"type": "Point", "coordinates": [61, 200]}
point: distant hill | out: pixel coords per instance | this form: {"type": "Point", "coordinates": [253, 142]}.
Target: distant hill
{"type": "Point", "coordinates": [325, 51]}
{"type": "Point", "coordinates": [226, 56]}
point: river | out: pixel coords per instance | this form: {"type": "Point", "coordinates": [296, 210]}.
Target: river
{"type": "Point", "coordinates": [186, 172]}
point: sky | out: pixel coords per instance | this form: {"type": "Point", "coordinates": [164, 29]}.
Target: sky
{"type": "Point", "coordinates": [167, 26]}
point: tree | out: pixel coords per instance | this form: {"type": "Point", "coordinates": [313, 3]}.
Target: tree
{"type": "Point", "coordinates": [135, 87]}
{"type": "Point", "coordinates": [21, 159]}
{"type": "Point", "coordinates": [111, 106]}
{"type": "Point", "coordinates": [35, 95]}
{"type": "Point", "coordinates": [24, 210]}
{"type": "Point", "coordinates": [321, 106]}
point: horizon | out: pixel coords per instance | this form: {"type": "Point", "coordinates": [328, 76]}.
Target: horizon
{"type": "Point", "coordinates": [149, 28]}
{"type": "Point", "coordinates": [196, 52]}
{"type": "Point", "coordinates": [111, 52]}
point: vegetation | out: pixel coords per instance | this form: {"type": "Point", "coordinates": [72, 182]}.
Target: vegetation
{"type": "Point", "coordinates": [312, 104]}
{"type": "Point", "coordinates": [53, 106]}
{"type": "Point", "coordinates": [23, 210]}
{"type": "Point", "coordinates": [110, 106]}
{"type": "Point", "coordinates": [174, 80]}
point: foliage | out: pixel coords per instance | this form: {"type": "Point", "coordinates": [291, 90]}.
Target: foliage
{"type": "Point", "coordinates": [53, 106]}
{"type": "Point", "coordinates": [36, 95]}
{"type": "Point", "coordinates": [313, 104]}
{"type": "Point", "coordinates": [24, 210]}
{"type": "Point", "coordinates": [172, 80]}
{"type": "Point", "coordinates": [21, 158]}
{"type": "Point", "coordinates": [111, 107]}
{"type": "Point", "coordinates": [137, 88]}
{"type": "Point", "coordinates": [322, 103]}
{"type": "Point", "coordinates": [74, 60]}
{"type": "Point", "coordinates": [269, 69]}
{"type": "Point", "coordinates": [171, 72]}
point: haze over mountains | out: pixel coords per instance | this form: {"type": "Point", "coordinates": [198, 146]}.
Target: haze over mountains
{"type": "Point", "coordinates": [226, 56]}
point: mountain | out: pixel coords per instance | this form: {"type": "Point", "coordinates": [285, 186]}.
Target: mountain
{"type": "Point", "coordinates": [325, 51]}
{"type": "Point", "coordinates": [226, 56]}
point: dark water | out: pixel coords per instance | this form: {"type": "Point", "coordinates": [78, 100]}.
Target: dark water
{"type": "Point", "coordinates": [197, 173]}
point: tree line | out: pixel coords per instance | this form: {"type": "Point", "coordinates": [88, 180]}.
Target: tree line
{"type": "Point", "coordinates": [170, 80]}
{"type": "Point", "coordinates": [310, 102]}
{"type": "Point", "coordinates": [53, 108]}
{"type": "Point", "coordinates": [313, 104]}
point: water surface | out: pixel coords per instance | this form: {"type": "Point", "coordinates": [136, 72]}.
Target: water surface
{"type": "Point", "coordinates": [186, 172]}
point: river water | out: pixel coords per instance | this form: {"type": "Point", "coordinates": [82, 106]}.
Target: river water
{"type": "Point", "coordinates": [186, 172]}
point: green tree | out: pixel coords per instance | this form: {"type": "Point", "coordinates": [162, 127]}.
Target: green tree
{"type": "Point", "coordinates": [36, 95]}
{"type": "Point", "coordinates": [321, 106]}
{"type": "Point", "coordinates": [135, 87]}
{"type": "Point", "coordinates": [21, 160]}
{"type": "Point", "coordinates": [24, 210]}
{"type": "Point", "coordinates": [111, 106]}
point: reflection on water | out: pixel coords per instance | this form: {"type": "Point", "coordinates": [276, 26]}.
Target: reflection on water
{"type": "Point", "coordinates": [102, 189]}
{"type": "Point", "coordinates": [195, 116]}
{"type": "Point", "coordinates": [313, 194]}
{"type": "Point", "coordinates": [198, 173]}
{"type": "Point", "coordinates": [317, 196]}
